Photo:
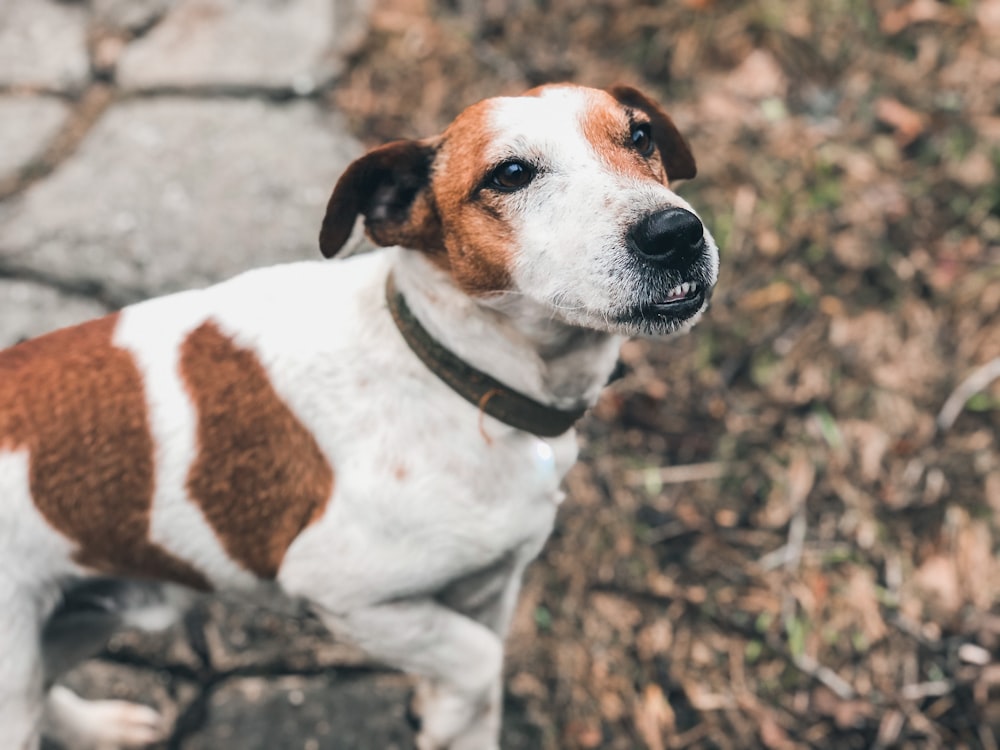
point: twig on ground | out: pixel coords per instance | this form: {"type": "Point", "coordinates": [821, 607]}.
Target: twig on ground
{"type": "Point", "coordinates": [841, 687]}
{"type": "Point", "coordinates": [976, 382]}
{"type": "Point", "coordinates": [920, 690]}
{"type": "Point", "coordinates": [679, 474]}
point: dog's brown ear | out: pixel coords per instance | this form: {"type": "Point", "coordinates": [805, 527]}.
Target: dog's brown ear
{"type": "Point", "coordinates": [674, 150]}
{"type": "Point", "coordinates": [390, 187]}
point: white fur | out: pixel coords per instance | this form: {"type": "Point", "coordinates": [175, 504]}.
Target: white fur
{"type": "Point", "coordinates": [437, 508]}
{"type": "Point", "coordinates": [33, 557]}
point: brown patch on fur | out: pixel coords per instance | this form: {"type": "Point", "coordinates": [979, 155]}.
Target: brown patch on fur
{"type": "Point", "coordinates": [675, 153]}
{"type": "Point", "coordinates": [608, 128]}
{"type": "Point", "coordinates": [422, 195]}
{"type": "Point", "coordinates": [76, 403]}
{"type": "Point", "coordinates": [259, 477]}
{"type": "Point", "coordinates": [476, 235]}
{"type": "Point", "coordinates": [400, 472]}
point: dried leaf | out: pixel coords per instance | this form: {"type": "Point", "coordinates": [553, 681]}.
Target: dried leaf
{"type": "Point", "coordinates": [776, 293]}
{"type": "Point", "coordinates": [654, 717]}
{"type": "Point", "coordinates": [908, 124]}
{"type": "Point", "coordinates": [938, 578]}
{"type": "Point", "coordinates": [898, 19]}
{"type": "Point", "coordinates": [758, 77]}
{"type": "Point", "coordinates": [801, 477]}
{"type": "Point", "coordinates": [771, 733]}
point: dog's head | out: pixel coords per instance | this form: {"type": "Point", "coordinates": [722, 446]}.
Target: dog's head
{"type": "Point", "coordinates": [561, 196]}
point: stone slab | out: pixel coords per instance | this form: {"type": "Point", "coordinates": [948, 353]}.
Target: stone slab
{"type": "Point", "coordinates": [244, 632]}
{"type": "Point", "coordinates": [27, 124]}
{"type": "Point", "coordinates": [28, 309]}
{"type": "Point", "coordinates": [320, 713]}
{"type": "Point", "coordinates": [331, 712]}
{"type": "Point", "coordinates": [129, 16]}
{"type": "Point", "coordinates": [296, 44]}
{"type": "Point", "coordinates": [171, 193]}
{"type": "Point", "coordinates": [43, 44]}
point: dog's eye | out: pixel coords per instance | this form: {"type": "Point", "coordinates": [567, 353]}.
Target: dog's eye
{"type": "Point", "coordinates": [511, 175]}
{"type": "Point", "coordinates": [642, 138]}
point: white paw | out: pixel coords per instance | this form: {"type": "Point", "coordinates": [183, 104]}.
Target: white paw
{"type": "Point", "coordinates": [101, 725]}
{"type": "Point", "coordinates": [118, 724]}
{"type": "Point", "coordinates": [451, 721]}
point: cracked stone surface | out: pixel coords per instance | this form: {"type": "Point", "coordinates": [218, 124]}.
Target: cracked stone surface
{"type": "Point", "coordinates": [43, 44]}
{"type": "Point", "coordinates": [128, 15]}
{"type": "Point", "coordinates": [173, 193]}
{"type": "Point", "coordinates": [328, 712]}
{"type": "Point", "coordinates": [22, 144]}
{"type": "Point", "coordinates": [291, 44]}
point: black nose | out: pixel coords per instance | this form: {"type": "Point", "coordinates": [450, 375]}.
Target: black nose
{"type": "Point", "coordinates": [671, 238]}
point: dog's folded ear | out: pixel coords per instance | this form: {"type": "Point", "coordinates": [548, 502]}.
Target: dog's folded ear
{"type": "Point", "coordinates": [674, 150]}
{"type": "Point", "coordinates": [390, 187]}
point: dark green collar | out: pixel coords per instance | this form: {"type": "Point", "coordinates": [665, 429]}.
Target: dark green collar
{"type": "Point", "coordinates": [488, 394]}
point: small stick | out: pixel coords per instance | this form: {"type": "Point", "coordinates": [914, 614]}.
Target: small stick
{"type": "Point", "coordinates": [976, 382]}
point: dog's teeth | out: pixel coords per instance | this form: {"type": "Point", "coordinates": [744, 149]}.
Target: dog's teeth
{"type": "Point", "coordinates": [694, 286]}
{"type": "Point", "coordinates": [685, 287]}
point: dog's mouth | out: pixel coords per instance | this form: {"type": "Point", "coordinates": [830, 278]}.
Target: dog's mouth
{"type": "Point", "coordinates": [690, 293]}
{"type": "Point", "coordinates": [676, 306]}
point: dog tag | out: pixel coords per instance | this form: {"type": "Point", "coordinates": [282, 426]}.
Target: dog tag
{"type": "Point", "coordinates": [545, 464]}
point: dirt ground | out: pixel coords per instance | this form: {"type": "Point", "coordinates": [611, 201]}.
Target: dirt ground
{"type": "Point", "coordinates": [776, 538]}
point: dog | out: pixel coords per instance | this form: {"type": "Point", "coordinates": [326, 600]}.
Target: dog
{"type": "Point", "coordinates": [383, 436]}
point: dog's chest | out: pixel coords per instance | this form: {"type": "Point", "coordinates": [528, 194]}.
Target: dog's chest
{"type": "Point", "coordinates": [427, 498]}
{"type": "Point", "coordinates": [461, 471]}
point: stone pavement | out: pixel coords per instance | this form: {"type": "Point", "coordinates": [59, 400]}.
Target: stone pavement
{"type": "Point", "coordinates": [148, 146]}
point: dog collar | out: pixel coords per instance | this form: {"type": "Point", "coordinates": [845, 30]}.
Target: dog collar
{"type": "Point", "coordinates": [479, 389]}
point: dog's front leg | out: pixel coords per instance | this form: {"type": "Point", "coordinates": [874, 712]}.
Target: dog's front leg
{"type": "Point", "coordinates": [460, 657]}
{"type": "Point", "coordinates": [21, 672]}
{"type": "Point", "coordinates": [488, 597]}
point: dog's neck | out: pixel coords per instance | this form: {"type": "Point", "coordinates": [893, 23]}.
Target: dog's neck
{"type": "Point", "coordinates": [515, 340]}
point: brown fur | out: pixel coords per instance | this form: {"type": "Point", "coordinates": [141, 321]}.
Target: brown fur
{"type": "Point", "coordinates": [675, 152]}
{"type": "Point", "coordinates": [607, 126]}
{"type": "Point", "coordinates": [76, 403]}
{"type": "Point", "coordinates": [259, 477]}
{"type": "Point", "coordinates": [422, 195]}
{"type": "Point", "coordinates": [476, 235]}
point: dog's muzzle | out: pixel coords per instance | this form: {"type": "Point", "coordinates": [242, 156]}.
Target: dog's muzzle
{"type": "Point", "coordinates": [670, 248]}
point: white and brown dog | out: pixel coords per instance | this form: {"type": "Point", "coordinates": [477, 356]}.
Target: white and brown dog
{"type": "Point", "coordinates": [383, 436]}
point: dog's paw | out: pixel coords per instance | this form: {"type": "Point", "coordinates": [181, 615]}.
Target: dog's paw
{"type": "Point", "coordinates": [101, 725]}
{"type": "Point", "coordinates": [119, 724]}
{"type": "Point", "coordinates": [450, 721]}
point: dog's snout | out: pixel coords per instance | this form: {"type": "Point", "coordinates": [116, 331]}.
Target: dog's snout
{"type": "Point", "coordinates": [672, 238]}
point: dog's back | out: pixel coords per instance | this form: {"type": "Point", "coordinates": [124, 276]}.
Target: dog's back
{"type": "Point", "coordinates": [73, 415]}
{"type": "Point", "coordinates": [152, 443]}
